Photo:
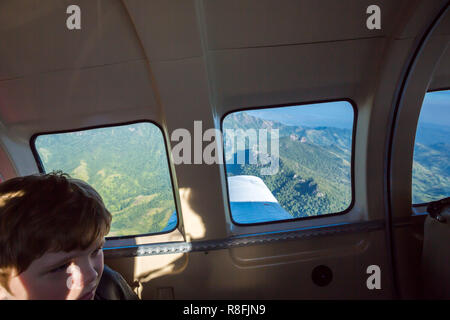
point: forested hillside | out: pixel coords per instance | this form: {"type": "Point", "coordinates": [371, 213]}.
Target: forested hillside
{"type": "Point", "coordinates": [126, 165]}
{"type": "Point", "coordinates": [431, 171]}
{"type": "Point", "coordinates": [314, 166]}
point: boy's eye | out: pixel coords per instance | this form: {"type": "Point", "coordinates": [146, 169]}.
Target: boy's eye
{"type": "Point", "coordinates": [96, 251]}
{"type": "Point", "coordinates": [60, 268]}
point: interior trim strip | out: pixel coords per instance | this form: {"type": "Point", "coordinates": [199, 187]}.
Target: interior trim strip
{"type": "Point", "coordinates": [242, 240]}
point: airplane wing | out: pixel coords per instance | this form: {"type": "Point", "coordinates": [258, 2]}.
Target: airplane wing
{"type": "Point", "coordinates": [251, 201]}
{"type": "Point", "coordinates": [171, 223]}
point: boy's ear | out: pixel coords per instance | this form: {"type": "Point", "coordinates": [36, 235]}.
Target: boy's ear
{"type": "Point", "coordinates": [3, 295]}
{"type": "Point", "coordinates": [4, 277]}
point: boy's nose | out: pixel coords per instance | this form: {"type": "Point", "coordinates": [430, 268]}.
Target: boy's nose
{"type": "Point", "coordinates": [89, 275]}
{"type": "Point", "coordinates": [82, 276]}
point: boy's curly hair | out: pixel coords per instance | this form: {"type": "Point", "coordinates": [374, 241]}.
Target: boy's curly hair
{"type": "Point", "coordinates": [47, 213]}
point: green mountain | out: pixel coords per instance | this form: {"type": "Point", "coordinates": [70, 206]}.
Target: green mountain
{"type": "Point", "coordinates": [431, 172]}
{"type": "Point", "coordinates": [314, 166]}
{"type": "Point", "coordinates": [126, 165]}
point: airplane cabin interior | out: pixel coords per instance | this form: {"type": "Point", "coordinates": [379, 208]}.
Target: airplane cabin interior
{"type": "Point", "coordinates": [144, 100]}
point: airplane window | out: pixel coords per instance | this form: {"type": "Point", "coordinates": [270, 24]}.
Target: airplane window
{"type": "Point", "coordinates": [431, 161]}
{"type": "Point", "coordinates": [126, 164]}
{"type": "Point", "coordinates": [289, 162]}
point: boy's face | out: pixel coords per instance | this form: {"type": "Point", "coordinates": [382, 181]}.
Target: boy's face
{"type": "Point", "coordinates": [60, 275]}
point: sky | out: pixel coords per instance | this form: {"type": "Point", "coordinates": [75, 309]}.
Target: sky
{"type": "Point", "coordinates": [435, 110]}
{"type": "Point", "coordinates": [331, 114]}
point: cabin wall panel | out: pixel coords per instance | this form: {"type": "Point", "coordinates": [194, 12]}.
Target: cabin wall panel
{"type": "Point", "coordinates": [64, 95]}
{"type": "Point", "coordinates": [441, 76]}
{"type": "Point", "coordinates": [214, 274]}
{"type": "Point", "coordinates": [167, 29]}
{"type": "Point", "coordinates": [374, 123]}
{"type": "Point", "coordinates": [7, 170]}
{"type": "Point", "coordinates": [41, 42]}
{"type": "Point", "coordinates": [254, 23]}
{"type": "Point", "coordinates": [184, 96]}
{"type": "Point", "coordinates": [265, 76]}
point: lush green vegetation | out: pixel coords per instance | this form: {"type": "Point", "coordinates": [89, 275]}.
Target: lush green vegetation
{"type": "Point", "coordinates": [431, 165]}
{"type": "Point", "coordinates": [431, 171]}
{"type": "Point", "coordinates": [126, 165]}
{"type": "Point", "coordinates": [314, 173]}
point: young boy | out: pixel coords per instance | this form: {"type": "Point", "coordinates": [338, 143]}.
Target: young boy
{"type": "Point", "coordinates": [52, 230]}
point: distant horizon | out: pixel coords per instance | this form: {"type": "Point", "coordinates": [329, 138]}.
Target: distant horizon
{"type": "Point", "coordinates": [337, 114]}
{"type": "Point", "coordinates": [435, 112]}
{"type": "Point", "coordinates": [431, 124]}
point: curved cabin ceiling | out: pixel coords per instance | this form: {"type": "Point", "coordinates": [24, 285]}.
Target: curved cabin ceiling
{"type": "Point", "coordinates": [162, 60]}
